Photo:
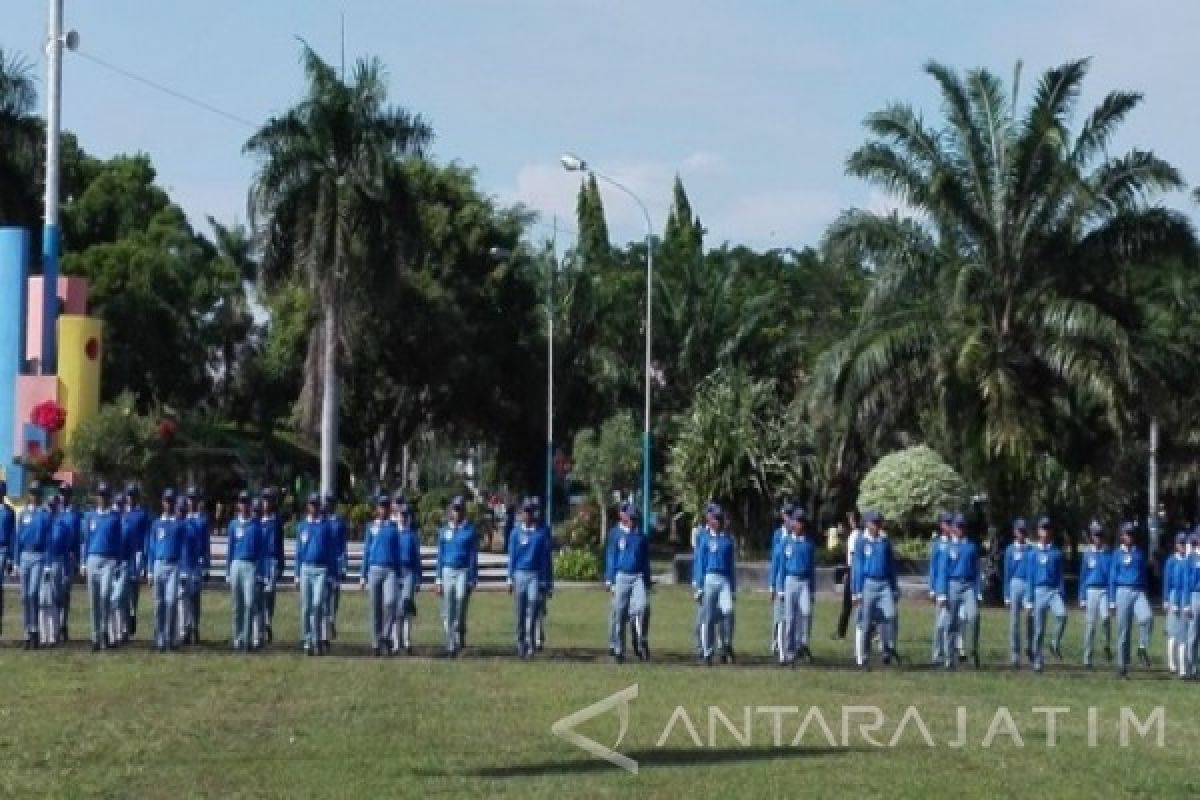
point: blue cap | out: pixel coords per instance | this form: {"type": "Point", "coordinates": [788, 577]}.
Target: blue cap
{"type": "Point", "coordinates": [959, 519]}
{"type": "Point", "coordinates": [1128, 527]}
{"type": "Point", "coordinates": [132, 490]}
{"type": "Point", "coordinates": [798, 514]}
{"type": "Point", "coordinates": [401, 506]}
{"type": "Point", "coordinates": [243, 496]}
{"type": "Point", "coordinates": [382, 499]}
{"type": "Point", "coordinates": [458, 503]}
{"type": "Point", "coordinates": [314, 499]}
{"type": "Point", "coordinates": [181, 506]}
{"type": "Point", "coordinates": [530, 505]}
{"type": "Point", "coordinates": [1194, 538]}
{"type": "Point", "coordinates": [399, 499]}
{"type": "Point", "coordinates": [787, 507]}
{"type": "Point", "coordinates": [713, 510]}
{"type": "Point", "coordinates": [872, 517]}
{"type": "Point", "coordinates": [168, 495]}
{"type": "Point", "coordinates": [193, 493]}
{"type": "Point", "coordinates": [35, 489]}
{"type": "Point", "coordinates": [629, 510]}
{"type": "Point", "coordinates": [330, 502]}
{"type": "Point", "coordinates": [102, 489]}
{"type": "Point", "coordinates": [66, 490]}
{"type": "Point", "coordinates": [1019, 524]}
{"type": "Point", "coordinates": [1044, 522]}
{"type": "Point", "coordinates": [1181, 538]}
{"type": "Point", "coordinates": [1095, 527]}
{"type": "Point", "coordinates": [945, 518]}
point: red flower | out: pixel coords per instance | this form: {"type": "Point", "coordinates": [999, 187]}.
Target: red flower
{"type": "Point", "coordinates": [166, 430]}
{"type": "Point", "coordinates": [49, 416]}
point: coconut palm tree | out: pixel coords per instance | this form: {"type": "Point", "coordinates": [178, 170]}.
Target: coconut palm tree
{"type": "Point", "coordinates": [321, 197]}
{"type": "Point", "coordinates": [20, 134]}
{"type": "Point", "coordinates": [1002, 297]}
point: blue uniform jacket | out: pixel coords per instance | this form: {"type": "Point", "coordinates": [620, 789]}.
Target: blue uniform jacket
{"type": "Point", "coordinates": [626, 551]}
{"type": "Point", "coordinates": [458, 548]}
{"type": "Point", "coordinates": [169, 539]}
{"type": "Point", "coordinates": [135, 534]}
{"type": "Point", "coordinates": [197, 554]}
{"type": "Point", "coordinates": [102, 530]}
{"type": "Point", "coordinates": [960, 562]}
{"type": "Point", "coordinates": [1128, 572]}
{"type": "Point", "coordinates": [33, 530]}
{"type": "Point", "coordinates": [410, 553]}
{"type": "Point", "coordinates": [1193, 577]}
{"type": "Point", "coordinates": [8, 525]}
{"type": "Point", "coordinates": [937, 550]}
{"type": "Point", "coordinates": [1093, 571]}
{"type": "Point", "coordinates": [701, 537]}
{"type": "Point", "coordinates": [718, 557]}
{"type": "Point", "coordinates": [773, 569]}
{"type": "Point", "coordinates": [529, 550]}
{"type": "Point", "coordinates": [338, 555]}
{"type": "Point", "coordinates": [1016, 565]}
{"type": "Point", "coordinates": [873, 559]}
{"type": "Point", "coordinates": [245, 540]}
{"type": "Point", "coordinates": [1175, 581]}
{"type": "Point", "coordinates": [1045, 571]}
{"type": "Point", "coordinates": [272, 531]}
{"type": "Point", "coordinates": [64, 539]}
{"type": "Point", "coordinates": [381, 546]}
{"type": "Point", "coordinates": [797, 559]}
{"type": "Point", "coordinates": [314, 543]}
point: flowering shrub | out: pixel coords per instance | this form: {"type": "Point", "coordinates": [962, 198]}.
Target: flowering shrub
{"type": "Point", "coordinates": [49, 416]}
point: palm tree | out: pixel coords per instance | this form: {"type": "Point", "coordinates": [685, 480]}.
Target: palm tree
{"type": "Point", "coordinates": [232, 322]}
{"type": "Point", "coordinates": [321, 196]}
{"type": "Point", "coordinates": [1001, 303]}
{"type": "Point", "coordinates": [20, 133]}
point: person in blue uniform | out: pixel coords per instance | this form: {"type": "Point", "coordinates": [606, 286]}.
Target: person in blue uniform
{"type": "Point", "coordinates": [8, 540]}
{"type": "Point", "coordinates": [875, 590]}
{"type": "Point", "coordinates": [959, 594]}
{"type": "Point", "coordinates": [33, 539]}
{"type": "Point", "coordinates": [457, 573]}
{"type": "Point", "coordinates": [530, 575]}
{"type": "Point", "coordinates": [795, 580]}
{"type": "Point", "coordinates": [1175, 600]}
{"type": "Point", "coordinates": [244, 555]}
{"type": "Point", "coordinates": [718, 586]}
{"type": "Point", "coordinates": [627, 577]}
{"type": "Point", "coordinates": [135, 533]}
{"type": "Point", "coordinates": [336, 571]}
{"type": "Point", "coordinates": [168, 536]}
{"type": "Point", "coordinates": [937, 549]}
{"type": "Point", "coordinates": [1127, 599]}
{"type": "Point", "coordinates": [777, 536]}
{"type": "Point", "coordinates": [314, 541]}
{"type": "Point", "coordinates": [1016, 577]}
{"type": "Point", "coordinates": [193, 569]}
{"type": "Point", "coordinates": [381, 561]}
{"type": "Point", "coordinates": [103, 549]}
{"type": "Point", "coordinates": [1093, 593]}
{"type": "Point", "coordinates": [272, 531]}
{"type": "Point", "coordinates": [408, 574]}
{"type": "Point", "coordinates": [1192, 607]}
{"type": "Point", "coordinates": [70, 517]}
{"type": "Point", "coordinates": [699, 542]}
{"type": "Point", "coordinates": [1045, 591]}
{"type": "Point", "coordinates": [61, 554]}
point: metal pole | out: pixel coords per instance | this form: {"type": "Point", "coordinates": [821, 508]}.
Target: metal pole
{"type": "Point", "coordinates": [50, 233]}
{"type": "Point", "coordinates": [646, 437]}
{"type": "Point", "coordinates": [550, 376]}
{"type": "Point", "coordinates": [1152, 494]}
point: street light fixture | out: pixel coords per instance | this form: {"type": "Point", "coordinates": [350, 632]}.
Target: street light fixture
{"type": "Point", "coordinates": [573, 163]}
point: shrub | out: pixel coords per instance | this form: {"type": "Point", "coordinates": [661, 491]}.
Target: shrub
{"type": "Point", "coordinates": [576, 565]}
{"type": "Point", "coordinates": [910, 487]}
{"type": "Point", "coordinates": [581, 531]}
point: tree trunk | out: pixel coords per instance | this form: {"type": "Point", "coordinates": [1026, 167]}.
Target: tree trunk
{"type": "Point", "coordinates": [329, 399]}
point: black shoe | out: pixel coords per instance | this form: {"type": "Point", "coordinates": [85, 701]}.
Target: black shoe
{"type": "Point", "coordinates": [408, 649]}
{"type": "Point", "coordinates": [95, 647]}
{"type": "Point", "coordinates": [37, 641]}
{"type": "Point", "coordinates": [975, 660]}
{"type": "Point", "coordinates": [1056, 650]}
{"type": "Point", "coordinates": [377, 651]}
{"type": "Point", "coordinates": [308, 650]}
{"type": "Point", "coordinates": [1124, 673]}
{"type": "Point", "coordinates": [708, 660]}
{"type": "Point", "coordinates": [332, 630]}
{"type": "Point", "coordinates": [645, 651]}
{"type": "Point", "coordinates": [1144, 657]}
{"type": "Point", "coordinates": [270, 635]}
{"type": "Point", "coordinates": [864, 666]}
{"type": "Point", "coordinates": [806, 654]}
{"type": "Point", "coordinates": [160, 647]}
{"type": "Point", "coordinates": [1108, 653]}
{"type": "Point", "coordinates": [619, 658]}
{"type": "Point", "coordinates": [730, 655]}
{"type": "Point", "coordinates": [132, 625]}
{"type": "Point", "coordinates": [62, 634]}
{"type": "Point", "coordinates": [26, 645]}
{"type": "Point", "coordinates": [962, 657]}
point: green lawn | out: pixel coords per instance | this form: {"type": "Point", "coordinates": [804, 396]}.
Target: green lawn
{"type": "Point", "coordinates": [133, 723]}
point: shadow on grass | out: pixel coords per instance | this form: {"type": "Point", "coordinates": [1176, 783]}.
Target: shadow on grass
{"type": "Point", "coordinates": [651, 758]}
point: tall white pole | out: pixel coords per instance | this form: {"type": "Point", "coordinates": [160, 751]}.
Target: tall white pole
{"type": "Point", "coordinates": [50, 230]}
{"type": "Point", "coordinates": [550, 287]}
{"type": "Point", "coordinates": [1152, 493]}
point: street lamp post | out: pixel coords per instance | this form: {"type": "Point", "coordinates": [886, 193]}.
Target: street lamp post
{"type": "Point", "coordinates": [573, 163]}
{"type": "Point", "coordinates": [50, 234]}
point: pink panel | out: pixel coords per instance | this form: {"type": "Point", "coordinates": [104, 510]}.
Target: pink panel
{"type": "Point", "coordinates": [72, 296]}
{"type": "Point", "coordinates": [31, 390]}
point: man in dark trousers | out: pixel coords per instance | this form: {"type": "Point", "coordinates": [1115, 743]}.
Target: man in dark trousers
{"type": "Point", "coordinates": [847, 577]}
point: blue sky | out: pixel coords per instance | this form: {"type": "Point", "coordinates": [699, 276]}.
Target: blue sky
{"type": "Point", "coordinates": [755, 103]}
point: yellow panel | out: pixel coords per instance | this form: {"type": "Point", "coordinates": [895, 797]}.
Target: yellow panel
{"type": "Point", "coordinates": [80, 354]}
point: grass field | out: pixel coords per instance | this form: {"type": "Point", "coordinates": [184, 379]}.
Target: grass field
{"type": "Point", "coordinates": [207, 722]}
